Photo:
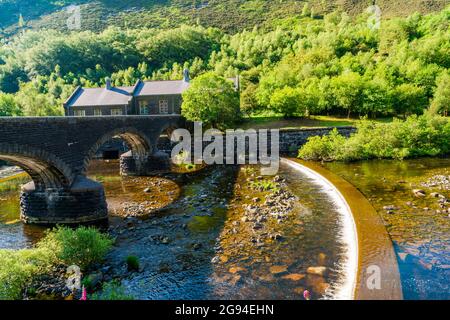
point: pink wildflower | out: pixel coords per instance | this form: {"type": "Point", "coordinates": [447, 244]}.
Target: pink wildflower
{"type": "Point", "coordinates": [306, 295]}
{"type": "Point", "coordinates": [83, 294]}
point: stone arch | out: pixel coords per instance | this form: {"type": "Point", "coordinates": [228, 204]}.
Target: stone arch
{"type": "Point", "coordinates": [138, 142]}
{"type": "Point", "coordinates": [165, 133]}
{"type": "Point", "coordinates": [46, 170]}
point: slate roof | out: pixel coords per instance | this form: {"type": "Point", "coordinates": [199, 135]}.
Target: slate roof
{"type": "Point", "coordinates": [100, 97]}
{"type": "Point", "coordinates": [153, 88]}
{"type": "Point", "coordinates": [119, 96]}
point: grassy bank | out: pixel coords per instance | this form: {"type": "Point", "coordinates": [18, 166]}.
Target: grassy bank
{"type": "Point", "coordinates": [414, 137]}
{"type": "Point", "coordinates": [60, 247]}
{"type": "Point", "coordinates": [277, 121]}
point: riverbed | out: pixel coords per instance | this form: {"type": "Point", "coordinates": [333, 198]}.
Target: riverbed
{"type": "Point", "coordinates": [221, 233]}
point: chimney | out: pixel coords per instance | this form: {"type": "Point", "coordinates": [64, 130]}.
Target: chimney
{"type": "Point", "coordinates": [186, 77]}
{"type": "Point", "coordinates": [108, 83]}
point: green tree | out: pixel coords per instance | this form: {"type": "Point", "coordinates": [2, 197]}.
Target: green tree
{"type": "Point", "coordinates": [348, 91]}
{"type": "Point", "coordinates": [288, 101]}
{"type": "Point", "coordinates": [213, 100]}
{"type": "Point", "coordinates": [441, 100]}
{"type": "Point", "coordinates": [409, 99]}
{"type": "Point", "coordinates": [8, 105]}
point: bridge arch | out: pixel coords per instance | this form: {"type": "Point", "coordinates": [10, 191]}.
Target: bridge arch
{"type": "Point", "coordinates": [46, 170]}
{"type": "Point", "coordinates": [140, 145]}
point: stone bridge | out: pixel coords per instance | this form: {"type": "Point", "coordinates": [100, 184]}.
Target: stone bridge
{"type": "Point", "coordinates": [56, 151]}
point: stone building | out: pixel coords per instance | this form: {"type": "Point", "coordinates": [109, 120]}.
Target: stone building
{"type": "Point", "coordinates": [144, 98]}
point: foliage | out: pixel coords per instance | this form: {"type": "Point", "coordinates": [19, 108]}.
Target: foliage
{"type": "Point", "coordinates": [264, 185]}
{"type": "Point", "coordinates": [17, 268]}
{"type": "Point", "coordinates": [416, 136]}
{"type": "Point", "coordinates": [132, 263]}
{"type": "Point", "coordinates": [8, 105]}
{"type": "Point", "coordinates": [213, 100]}
{"type": "Point", "coordinates": [82, 247]}
{"type": "Point", "coordinates": [334, 63]}
{"type": "Point", "coordinates": [441, 101]}
{"type": "Point", "coordinates": [112, 291]}
{"type": "Point", "coordinates": [287, 101]}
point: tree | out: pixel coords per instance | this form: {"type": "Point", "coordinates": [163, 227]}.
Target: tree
{"type": "Point", "coordinates": [8, 106]}
{"type": "Point", "coordinates": [441, 100]}
{"type": "Point", "coordinates": [409, 99]}
{"type": "Point", "coordinates": [213, 100]}
{"type": "Point", "coordinates": [348, 91]}
{"type": "Point", "coordinates": [249, 103]}
{"type": "Point", "coordinates": [287, 101]}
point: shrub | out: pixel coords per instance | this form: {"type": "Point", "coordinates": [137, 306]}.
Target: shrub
{"type": "Point", "coordinates": [112, 291]}
{"type": "Point", "coordinates": [83, 246]}
{"type": "Point", "coordinates": [264, 185]}
{"type": "Point", "coordinates": [132, 263]}
{"type": "Point", "coordinates": [415, 137]}
{"type": "Point", "coordinates": [17, 268]}
{"type": "Point", "coordinates": [322, 148]}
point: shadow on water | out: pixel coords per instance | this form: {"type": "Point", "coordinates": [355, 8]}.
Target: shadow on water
{"type": "Point", "coordinates": [175, 246]}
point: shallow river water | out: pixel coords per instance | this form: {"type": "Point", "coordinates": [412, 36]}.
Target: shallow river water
{"type": "Point", "coordinates": [196, 242]}
{"type": "Point", "coordinates": [419, 226]}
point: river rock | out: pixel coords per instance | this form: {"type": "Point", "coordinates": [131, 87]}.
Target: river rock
{"type": "Point", "coordinates": [234, 270]}
{"type": "Point", "coordinates": [390, 208]}
{"type": "Point", "coordinates": [319, 271]}
{"type": "Point", "coordinates": [278, 269]}
{"type": "Point", "coordinates": [294, 276]}
{"type": "Point", "coordinates": [419, 193]}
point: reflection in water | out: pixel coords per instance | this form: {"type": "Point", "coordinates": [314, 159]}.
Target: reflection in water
{"type": "Point", "coordinates": [418, 226]}
{"type": "Point", "coordinates": [195, 246]}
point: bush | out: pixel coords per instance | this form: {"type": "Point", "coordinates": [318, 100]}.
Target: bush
{"type": "Point", "coordinates": [132, 263]}
{"type": "Point", "coordinates": [83, 246]}
{"type": "Point", "coordinates": [415, 137]}
{"type": "Point", "coordinates": [112, 291]}
{"type": "Point", "coordinates": [17, 268]}
{"type": "Point", "coordinates": [322, 148]}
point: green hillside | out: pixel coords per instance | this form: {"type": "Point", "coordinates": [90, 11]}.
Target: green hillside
{"type": "Point", "coordinates": [229, 15]}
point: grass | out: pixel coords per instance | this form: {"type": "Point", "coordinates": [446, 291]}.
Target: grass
{"type": "Point", "coordinates": [264, 185]}
{"type": "Point", "coordinates": [132, 263]}
{"type": "Point", "coordinates": [112, 291]}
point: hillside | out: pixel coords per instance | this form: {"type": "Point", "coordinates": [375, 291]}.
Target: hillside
{"type": "Point", "coordinates": [229, 15]}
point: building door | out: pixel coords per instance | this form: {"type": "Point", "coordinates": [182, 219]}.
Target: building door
{"type": "Point", "coordinates": [163, 106]}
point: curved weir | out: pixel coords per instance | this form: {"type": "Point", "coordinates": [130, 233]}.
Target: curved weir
{"type": "Point", "coordinates": [347, 286]}
{"type": "Point", "coordinates": [375, 250]}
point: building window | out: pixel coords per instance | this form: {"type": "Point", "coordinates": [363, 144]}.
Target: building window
{"type": "Point", "coordinates": [97, 112]}
{"type": "Point", "coordinates": [163, 106]}
{"type": "Point", "coordinates": [143, 108]}
{"type": "Point", "coordinates": [79, 113]}
{"type": "Point", "coordinates": [116, 112]}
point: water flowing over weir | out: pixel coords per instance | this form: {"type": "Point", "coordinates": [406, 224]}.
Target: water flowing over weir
{"type": "Point", "coordinates": [347, 285]}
